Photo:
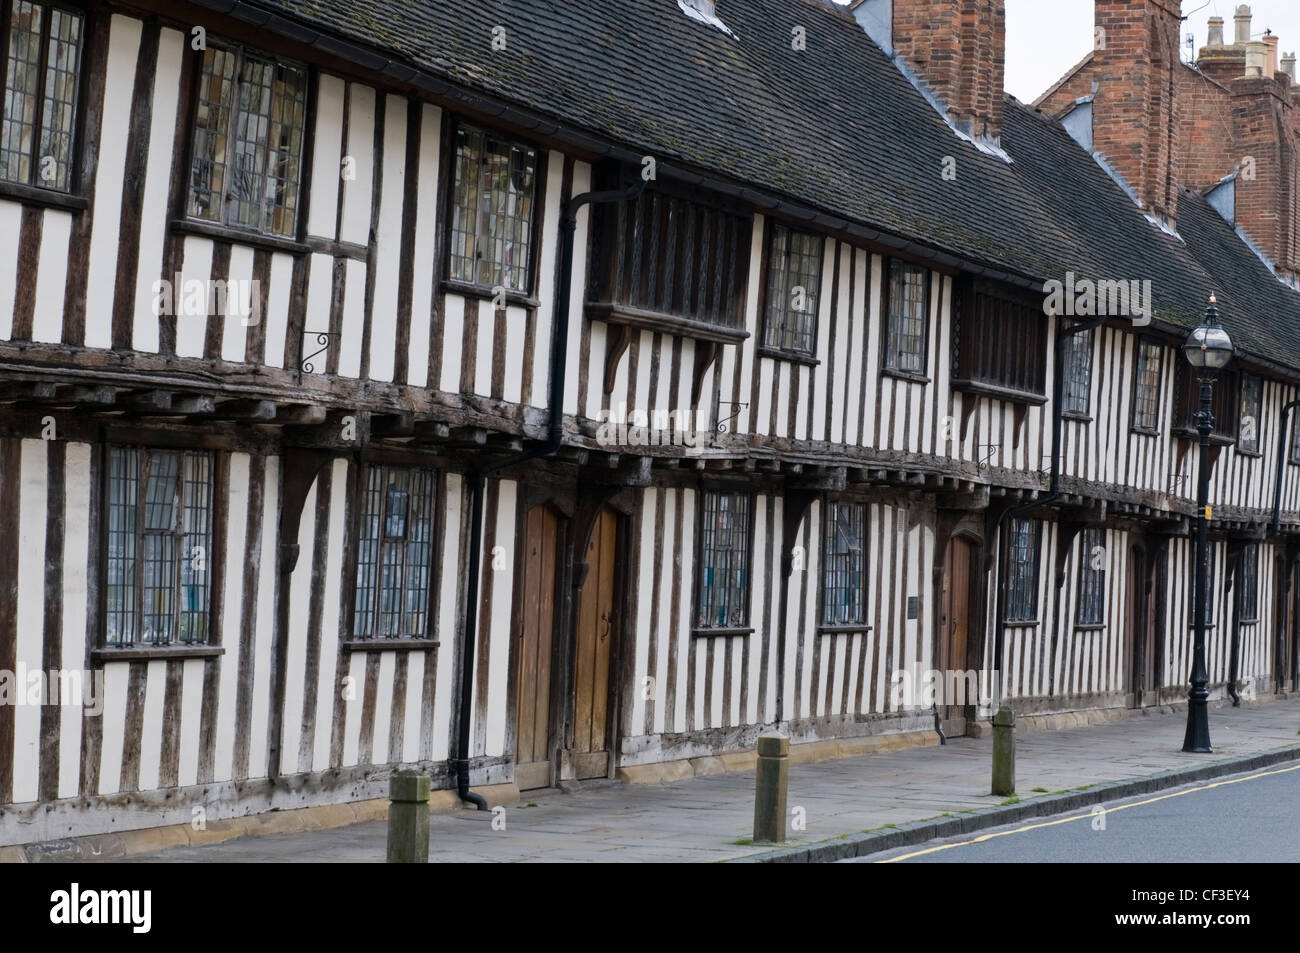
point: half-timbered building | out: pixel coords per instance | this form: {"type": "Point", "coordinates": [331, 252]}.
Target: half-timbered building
{"type": "Point", "coordinates": [539, 392]}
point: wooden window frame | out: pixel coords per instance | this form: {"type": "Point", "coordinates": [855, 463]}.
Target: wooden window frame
{"type": "Point", "coordinates": [429, 637]}
{"type": "Point", "coordinates": [137, 648]}
{"type": "Point", "coordinates": [527, 297]}
{"type": "Point", "coordinates": [857, 625]}
{"type": "Point", "coordinates": [711, 305]}
{"type": "Point", "coordinates": [92, 25]}
{"type": "Point", "coordinates": [1074, 342]}
{"type": "Point", "coordinates": [887, 304]}
{"type": "Point", "coordinates": [1134, 426]}
{"type": "Point", "coordinates": [1249, 582]}
{"type": "Point", "coordinates": [222, 228]}
{"type": "Point", "coordinates": [1031, 616]}
{"type": "Point", "coordinates": [769, 263]}
{"type": "Point", "coordinates": [1091, 580]}
{"type": "Point", "coordinates": [1001, 347]}
{"type": "Point", "coordinates": [744, 627]}
{"type": "Point", "coordinates": [1256, 448]}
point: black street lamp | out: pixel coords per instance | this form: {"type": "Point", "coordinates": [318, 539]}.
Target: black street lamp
{"type": "Point", "coordinates": [1208, 349]}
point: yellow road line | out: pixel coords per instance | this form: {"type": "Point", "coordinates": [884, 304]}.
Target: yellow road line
{"type": "Point", "coordinates": [1079, 817]}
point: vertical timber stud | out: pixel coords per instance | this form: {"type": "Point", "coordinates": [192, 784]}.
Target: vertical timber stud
{"type": "Point", "coordinates": [1004, 752]}
{"type": "Point", "coordinates": [299, 470]}
{"type": "Point", "coordinates": [770, 783]}
{"type": "Point", "coordinates": [408, 818]}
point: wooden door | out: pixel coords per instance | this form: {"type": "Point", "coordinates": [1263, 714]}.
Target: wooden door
{"type": "Point", "coordinates": [596, 632]}
{"type": "Point", "coordinates": [1140, 631]}
{"type": "Point", "coordinates": [954, 628]}
{"type": "Point", "coordinates": [533, 763]}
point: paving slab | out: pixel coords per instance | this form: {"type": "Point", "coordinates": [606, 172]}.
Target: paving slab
{"type": "Point", "coordinates": [707, 819]}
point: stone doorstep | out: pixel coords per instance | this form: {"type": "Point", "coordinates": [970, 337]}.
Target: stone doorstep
{"type": "Point", "coordinates": [118, 845]}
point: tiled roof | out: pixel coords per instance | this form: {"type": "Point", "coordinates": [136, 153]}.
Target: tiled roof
{"type": "Point", "coordinates": [835, 127]}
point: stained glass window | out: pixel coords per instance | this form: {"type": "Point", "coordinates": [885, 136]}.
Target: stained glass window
{"type": "Point", "coordinates": [492, 210]}
{"type": "Point", "coordinates": [249, 122]}
{"type": "Point", "coordinates": [42, 73]}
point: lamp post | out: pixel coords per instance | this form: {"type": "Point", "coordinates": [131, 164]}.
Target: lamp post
{"type": "Point", "coordinates": [1208, 350]}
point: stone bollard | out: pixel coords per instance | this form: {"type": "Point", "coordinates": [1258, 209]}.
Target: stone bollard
{"type": "Point", "coordinates": [408, 818]}
{"type": "Point", "coordinates": [771, 779]}
{"type": "Point", "coordinates": [1004, 752]}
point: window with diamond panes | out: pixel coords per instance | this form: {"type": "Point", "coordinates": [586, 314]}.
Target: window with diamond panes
{"type": "Point", "coordinates": [492, 210]}
{"type": "Point", "coordinates": [908, 319]}
{"type": "Point", "coordinates": [394, 554]}
{"type": "Point", "coordinates": [159, 547]}
{"type": "Point", "coordinates": [1248, 429]}
{"type": "Point", "coordinates": [844, 565]}
{"type": "Point", "coordinates": [794, 274]}
{"type": "Point", "coordinates": [724, 562]}
{"type": "Point", "coordinates": [1091, 608]}
{"type": "Point", "coordinates": [246, 161]}
{"type": "Point", "coordinates": [1077, 378]}
{"type": "Point", "coordinates": [1022, 571]}
{"type": "Point", "coordinates": [1146, 388]}
{"type": "Point", "coordinates": [42, 49]}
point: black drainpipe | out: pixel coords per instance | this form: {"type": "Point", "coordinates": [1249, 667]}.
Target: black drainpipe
{"type": "Point", "coordinates": [1053, 494]}
{"type": "Point", "coordinates": [554, 440]}
{"type": "Point", "coordinates": [1234, 659]}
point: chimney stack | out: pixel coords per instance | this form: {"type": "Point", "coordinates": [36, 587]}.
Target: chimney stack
{"type": "Point", "coordinates": [1135, 120]}
{"type": "Point", "coordinates": [1288, 67]}
{"type": "Point", "coordinates": [1270, 56]}
{"type": "Point", "coordinates": [1255, 59]}
{"type": "Point", "coordinates": [1216, 32]}
{"type": "Point", "coordinates": [1242, 20]}
{"type": "Point", "coordinates": [958, 47]}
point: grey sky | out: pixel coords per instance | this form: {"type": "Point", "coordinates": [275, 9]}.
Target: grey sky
{"type": "Point", "coordinates": [1046, 37]}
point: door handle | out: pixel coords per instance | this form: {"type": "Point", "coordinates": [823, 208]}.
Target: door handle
{"type": "Point", "coordinates": [609, 623]}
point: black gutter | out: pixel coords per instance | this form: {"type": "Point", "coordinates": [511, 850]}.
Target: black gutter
{"type": "Point", "coordinates": [1053, 494]}
{"type": "Point", "coordinates": [1276, 525]}
{"type": "Point", "coordinates": [553, 442]}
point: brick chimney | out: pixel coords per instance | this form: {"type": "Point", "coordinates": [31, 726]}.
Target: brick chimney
{"type": "Point", "coordinates": [958, 47]}
{"type": "Point", "coordinates": [1266, 123]}
{"type": "Point", "coordinates": [1135, 110]}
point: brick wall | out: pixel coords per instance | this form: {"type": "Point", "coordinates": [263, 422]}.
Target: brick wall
{"type": "Point", "coordinates": [959, 48]}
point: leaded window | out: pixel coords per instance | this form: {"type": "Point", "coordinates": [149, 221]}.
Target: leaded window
{"type": "Point", "coordinates": [1248, 574]}
{"type": "Point", "coordinates": [246, 161]}
{"type": "Point", "coordinates": [1076, 392]}
{"type": "Point", "coordinates": [492, 210]}
{"type": "Point", "coordinates": [1295, 436]}
{"type": "Point", "coordinates": [794, 274]}
{"type": "Point", "coordinates": [159, 547]}
{"type": "Point", "coordinates": [42, 50]}
{"type": "Point", "coordinates": [394, 554]}
{"type": "Point", "coordinates": [1209, 587]}
{"type": "Point", "coordinates": [1022, 571]}
{"type": "Point", "coordinates": [908, 319]}
{"type": "Point", "coordinates": [724, 561]}
{"type": "Point", "coordinates": [844, 565]}
{"type": "Point", "coordinates": [1146, 390]}
{"type": "Point", "coordinates": [1091, 609]}
{"type": "Point", "coordinates": [1248, 432]}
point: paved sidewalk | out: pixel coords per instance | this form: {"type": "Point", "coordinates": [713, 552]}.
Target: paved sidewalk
{"type": "Point", "coordinates": [710, 818]}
